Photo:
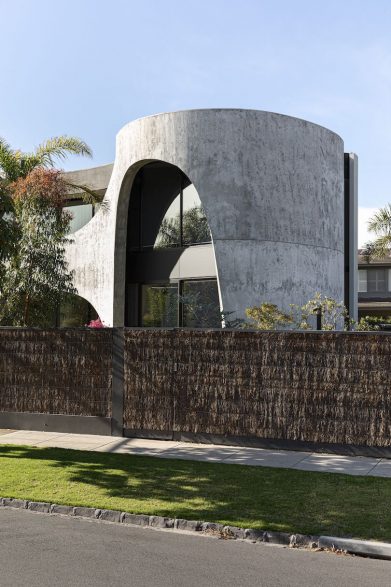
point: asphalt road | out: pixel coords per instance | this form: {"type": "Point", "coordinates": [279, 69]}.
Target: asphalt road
{"type": "Point", "coordinates": [47, 551]}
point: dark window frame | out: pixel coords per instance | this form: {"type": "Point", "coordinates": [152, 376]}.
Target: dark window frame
{"type": "Point", "coordinates": [180, 287]}
{"type": "Point", "coordinates": [374, 280]}
{"type": "Point", "coordinates": [184, 183]}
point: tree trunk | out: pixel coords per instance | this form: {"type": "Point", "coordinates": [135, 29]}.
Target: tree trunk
{"type": "Point", "coordinates": [26, 309]}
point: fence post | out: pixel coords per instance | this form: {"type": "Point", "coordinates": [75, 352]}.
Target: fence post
{"type": "Point", "coordinates": [117, 390]}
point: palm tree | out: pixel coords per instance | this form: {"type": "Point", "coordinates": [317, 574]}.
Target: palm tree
{"type": "Point", "coordinates": [380, 224]}
{"type": "Point", "coordinates": [16, 168]}
{"type": "Point", "coordinates": [15, 164]}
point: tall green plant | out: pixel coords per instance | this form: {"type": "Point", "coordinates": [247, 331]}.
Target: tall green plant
{"type": "Point", "coordinates": [36, 276]}
{"type": "Point", "coordinates": [380, 225]}
{"type": "Point", "coordinates": [268, 316]}
{"type": "Point", "coordinates": [33, 228]}
{"type": "Point", "coordinates": [334, 315]}
{"type": "Point", "coordinates": [16, 164]}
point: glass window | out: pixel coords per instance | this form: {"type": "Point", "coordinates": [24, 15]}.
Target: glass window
{"type": "Point", "coordinates": [195, 226]}
{"type": "Point", "coordinates": [196, 307]}
{"type": "Point", "coordinates": [376, 280]}
{"type": "Point", "coordinates": [165, 210]}
{"type": "Point", "coordinates": [81, 214]}
{"type": "Point", "coordinates": [201, 307]}
{"type": "Point", "coordinates": [169, 234]}
{"type": "Point", "coordinates": [160, 189]}
{"type": "Point", "coordinates": [159, 306]}
{"type": "Point", "coordinates": [362, 280]}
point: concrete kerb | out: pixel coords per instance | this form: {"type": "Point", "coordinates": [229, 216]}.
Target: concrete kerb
{"type": "Point", "coordinates": [371, 549]}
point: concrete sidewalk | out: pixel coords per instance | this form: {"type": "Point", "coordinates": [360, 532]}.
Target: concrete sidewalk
{"type": "Point", "coordinates": [258, 457]}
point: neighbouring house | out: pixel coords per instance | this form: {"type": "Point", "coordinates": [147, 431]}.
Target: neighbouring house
{"type": "Point", "coordinates": [374, 287]}
{"type": "Point", "coordinates": [214, 209]}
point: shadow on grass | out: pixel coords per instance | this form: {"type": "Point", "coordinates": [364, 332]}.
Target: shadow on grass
{"type": "Point", "coordinates": [257, 497]}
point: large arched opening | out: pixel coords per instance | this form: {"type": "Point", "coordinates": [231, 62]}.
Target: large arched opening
{"type": "Point", "coordinates": [170, 265]}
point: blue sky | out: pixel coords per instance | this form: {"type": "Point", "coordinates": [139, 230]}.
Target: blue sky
{"type": "Point", "coordinates": [87, 67]}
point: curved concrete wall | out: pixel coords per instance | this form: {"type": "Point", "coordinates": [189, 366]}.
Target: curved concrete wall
{"type": "Point", "coordinates": [272, 189]}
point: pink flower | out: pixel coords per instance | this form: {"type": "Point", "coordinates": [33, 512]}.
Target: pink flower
{"type": "Point", "coordinates": [96, 324]}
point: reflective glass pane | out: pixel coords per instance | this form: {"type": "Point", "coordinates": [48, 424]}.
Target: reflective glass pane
{"type": "Point", "coordinates": [169, 234]}
{"type": "Point", "coordinates": [376, 280]}
{"type": "Point", "coordinates": [160, 190]}
{"type": "Point", "coordinates": [81, 214]}
{"type": "Point", "coordinates": [195, 225]}
{"type": "Point", "coordinates": [362, 280]}
{"type": "Point", "coordinates": [159, 305]}
{"type": "Point", "coordinates": [201, 307]}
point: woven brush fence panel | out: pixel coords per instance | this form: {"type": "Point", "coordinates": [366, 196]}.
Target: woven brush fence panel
{"type": "Point", "coordinates": [58, 371]}
{"type": "Point", "coordinates": [323, 387]}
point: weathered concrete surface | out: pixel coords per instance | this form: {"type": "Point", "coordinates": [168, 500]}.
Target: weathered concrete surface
{"type": "Point", "coordinates": [96, 178]}
{"type": "Point", "coordinates": [272, 189]}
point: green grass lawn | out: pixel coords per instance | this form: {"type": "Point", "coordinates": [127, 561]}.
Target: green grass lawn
{"type": "Point", "coordinates": [250, 497]}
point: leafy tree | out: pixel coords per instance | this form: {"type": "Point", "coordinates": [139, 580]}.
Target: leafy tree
{"type": "Point", "coordinates": [15, 164]}
{"type": "Point", "coordinates": [334, 314]}
{"type": "Point", "coordinates": [33, 228]}
{"type": "Point", "coordinates": [36, 276]}
{"type": "Point", "coordinates": [267, 316]}
{"type": "Point", "coordinates": [380, 224]}
{"type": "Point", "coordinates": [7, 227]}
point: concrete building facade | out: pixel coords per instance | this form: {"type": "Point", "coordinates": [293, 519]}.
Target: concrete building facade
{"type": "Point", "coordinates": [272, 189]}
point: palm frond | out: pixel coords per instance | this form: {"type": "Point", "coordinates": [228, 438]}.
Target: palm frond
{"type": "Point", "coordinates": [28, 162]}
{"type": "Point", "coordinates": [59, 148]}
{"type": "Point", "coordinates": [380, 223]}
{"type": "Point", "coordinates": [377, 249]}
{"type": "Point", "coordinates": [9, 161]}
{"type": "Point", "coordinates": [87, 194]}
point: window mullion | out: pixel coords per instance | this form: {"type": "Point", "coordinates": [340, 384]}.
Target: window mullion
{"type": "Point", "coordinates": [181, 215]}
{"type": "Point", "coordinates": [180, 303]}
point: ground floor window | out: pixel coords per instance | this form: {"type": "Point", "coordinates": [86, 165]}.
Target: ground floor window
{"type": "Point", "coordinates": [190, 303]}
{"type": "Point", "coordinates": [159, 306]}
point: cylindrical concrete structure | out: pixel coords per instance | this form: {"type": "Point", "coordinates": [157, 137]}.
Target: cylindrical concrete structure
{"type": "Point", "coordinates": [272, 189]}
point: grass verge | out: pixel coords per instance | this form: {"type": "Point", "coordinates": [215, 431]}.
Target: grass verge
{"type": "Point", "coordinates": [250, 497]}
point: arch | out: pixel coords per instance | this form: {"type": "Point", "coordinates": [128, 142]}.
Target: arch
{"type": "Point", "coordinates": [75, 311]}
{"type": "Point", "coordinates": [271, 186]}
{"type": "Point", "coordinates": [165, 224]}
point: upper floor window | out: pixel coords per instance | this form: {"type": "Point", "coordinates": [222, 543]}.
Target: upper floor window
{"type": "Point", "coordinates": [377, 280]}
{"type": "Point", "coordinates": [81, 214]}
{"type": "Point", "coordinates": [362, 280]}
{"type": "Point", "coordinates": [165, 210]}
{"type": "Point", "coordinates": [184, 223]}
